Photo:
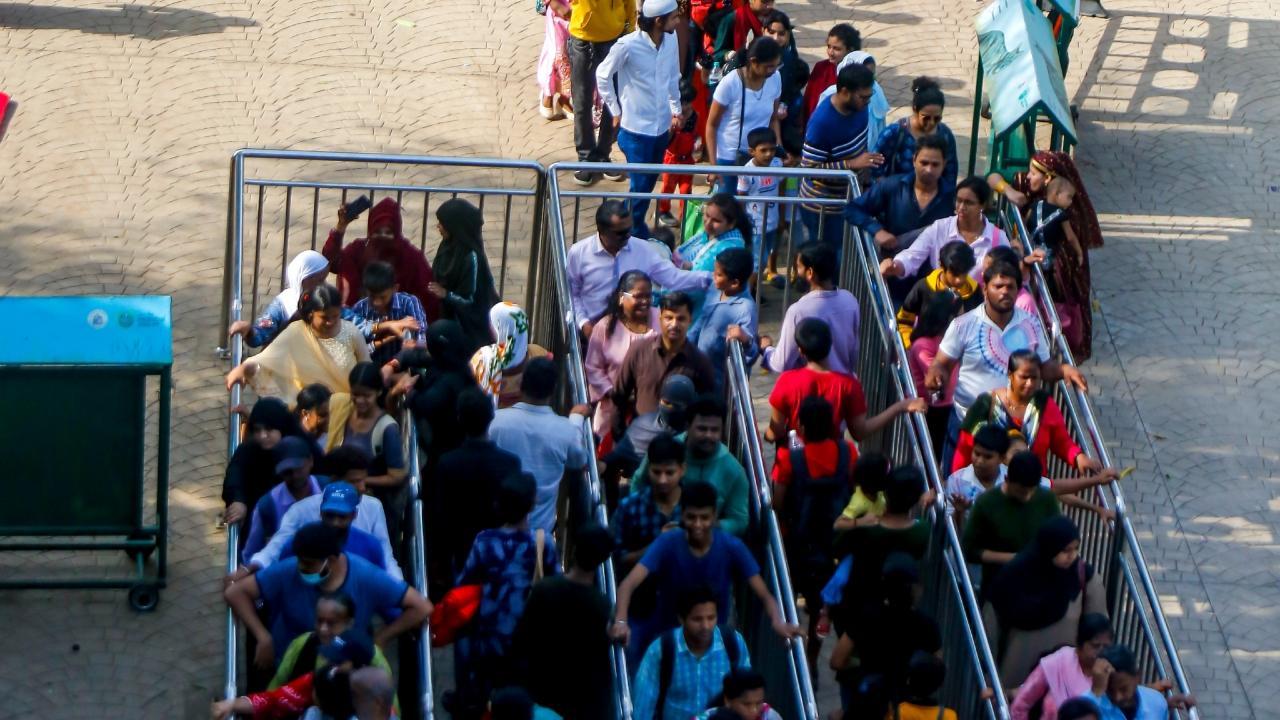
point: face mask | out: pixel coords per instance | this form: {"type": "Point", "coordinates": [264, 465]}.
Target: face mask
{"type": "Point", "coordinates": [317, 577]}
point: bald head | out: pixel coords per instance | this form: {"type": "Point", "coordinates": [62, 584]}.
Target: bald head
{"type": "Point", "coordinates": [372, 693]}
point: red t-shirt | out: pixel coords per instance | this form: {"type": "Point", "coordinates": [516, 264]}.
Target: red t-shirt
{"type": "Point", "coordinates": [821, 77]}
{"type": "Point", "coordinates": [822, 458]}
{"type": "Point", "coordinates": [844, 392]}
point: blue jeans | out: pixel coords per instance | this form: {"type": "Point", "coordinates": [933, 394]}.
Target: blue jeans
{"type": "Point", "coordinates": [641, 149]}
{"type": "Point", "coordinates": [728, 183]}
{"type": "Point", "coordinates": [764, 244]}
{"type": "Point", "coordinates": [832, 229]}
{"type": "Point", "coordinates": [949, 444]}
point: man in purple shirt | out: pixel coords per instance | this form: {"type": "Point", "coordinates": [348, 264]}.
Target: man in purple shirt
{"type": "Point", "coordinates": [293, 467]}
{"type": "Point", "coordinates": [595, 264]}
{"type": "Point", "coordinates": [817, 264]}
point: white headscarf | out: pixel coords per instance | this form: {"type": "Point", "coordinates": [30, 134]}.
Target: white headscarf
{"type": "Point", "coordinates": [302, 266]}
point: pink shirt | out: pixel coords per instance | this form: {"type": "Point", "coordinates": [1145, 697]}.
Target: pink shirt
{"type": "Point", "coordinates": [919, 357]}
{"type": "Point", "coordinates": [604, 355]}
{"type": "Point", "coordinates": [1057, 678]}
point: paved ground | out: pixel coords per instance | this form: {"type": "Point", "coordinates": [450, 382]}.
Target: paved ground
{"type": "Point", "coordinates": [114, 182]}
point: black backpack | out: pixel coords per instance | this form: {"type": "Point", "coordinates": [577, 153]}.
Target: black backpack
{"type": "Point", "coordinates": [812, 506]}
{"type": "Point", "coordinates": [667, 662]}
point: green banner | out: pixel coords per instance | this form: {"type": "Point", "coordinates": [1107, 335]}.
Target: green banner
{"type": "Point", "coordinates": [1021, 68]}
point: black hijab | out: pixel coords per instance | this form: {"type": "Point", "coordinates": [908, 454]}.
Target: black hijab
{"type": "Point", "coordinates": [1031, 592]}
{"type": "Point", "coordinates": [462, 222]}
{"type": "Point", "coordinates": [252, 469]}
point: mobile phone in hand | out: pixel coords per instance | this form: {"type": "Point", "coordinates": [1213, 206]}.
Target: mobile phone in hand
{"type": "Point", "coordinates": [356, 207]}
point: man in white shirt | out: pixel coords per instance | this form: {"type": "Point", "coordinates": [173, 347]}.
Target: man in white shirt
{"type": "Point", "coordinates": [645, 66]}
{"type": "Point", "coordinates": [982, 339]}
{"type": "Point", "coordinates": [596, 263]}
{"type": "Point", "coordinates": [347, 464]}
{"type": "Point", "coordinates": [547, 444]}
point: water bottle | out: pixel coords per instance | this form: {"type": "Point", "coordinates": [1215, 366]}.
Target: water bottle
{"type": "Point", "coordinates": [793, 441]}
{"type": "Point", "coordinates": [716, 73]}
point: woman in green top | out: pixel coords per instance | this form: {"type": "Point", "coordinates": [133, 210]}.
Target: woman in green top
{"type": "Point", "coordinates": [334, 613]}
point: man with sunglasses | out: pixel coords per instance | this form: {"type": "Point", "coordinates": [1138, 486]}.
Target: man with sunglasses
{"type": "Point", "coordinates": [595, 263]}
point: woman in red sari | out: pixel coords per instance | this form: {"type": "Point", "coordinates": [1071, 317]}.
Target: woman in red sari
{"type": "Point", "coordinates": [1026, 407]}
{"type": "Point", "coordinates": [1069, 278]}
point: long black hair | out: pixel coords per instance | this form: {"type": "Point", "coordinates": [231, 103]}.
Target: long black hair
{"type": "Point", "coordinates": [614, 309]}
{"type": "Point", "coordinates": [734, 212]}
{"type": "Point", "coordinates": [320, 299]}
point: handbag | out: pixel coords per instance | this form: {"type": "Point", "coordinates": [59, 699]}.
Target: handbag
{"type": "Point", "coordinates": [454, 613]}
{"type": "Point", "coordinates": [740, 157]}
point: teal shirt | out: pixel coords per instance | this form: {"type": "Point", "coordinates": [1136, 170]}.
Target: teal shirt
{"type": "Point", "coordinates": [725, 474]}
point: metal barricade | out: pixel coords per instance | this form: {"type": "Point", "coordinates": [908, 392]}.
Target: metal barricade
{"type": "Point", "coordinates": [1111, 546]}
{"type": "Point", "coordinates": [971, 669]}
{"type": "Point", "coordinates": [743, 439]}
{"type": "Point", "coordinates": [973, 685]}
{"type": "Point", "coordinates": [286, 204]}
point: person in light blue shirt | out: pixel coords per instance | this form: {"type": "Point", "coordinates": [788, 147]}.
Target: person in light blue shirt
{"type": "Point", "coordinates": [548, 445]}
{"type": "Point", "coordinates": [685, 683]}
{"type": "Point", "coordinates": [1119, 695]}
{"type": "Point", "coordinates": [729, 313]}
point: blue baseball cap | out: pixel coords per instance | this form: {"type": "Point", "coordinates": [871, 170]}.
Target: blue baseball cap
{"type": "Point", "coordinates": [340, 497]}
{"type": "Point", "coordinates": [291, 452]}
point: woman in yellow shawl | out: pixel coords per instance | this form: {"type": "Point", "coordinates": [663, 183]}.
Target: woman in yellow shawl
{"type": "Point", "coordinates": [320, 348]}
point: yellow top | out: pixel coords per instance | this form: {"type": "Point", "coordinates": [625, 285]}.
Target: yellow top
{"type": "Point", "coordinates": [860, 505]}
{"type": "Point", "coordinates": [909, 711]}
{"type": "Point", "coordinates": [602, 20]}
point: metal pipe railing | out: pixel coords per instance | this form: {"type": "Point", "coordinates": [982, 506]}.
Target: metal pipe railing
{"type": "Point", "coordinates": [742, 411]}
{"type": "Point", "coordinates": [418, 562]}
{"type": "Point", "coordinates": [1080, 417]}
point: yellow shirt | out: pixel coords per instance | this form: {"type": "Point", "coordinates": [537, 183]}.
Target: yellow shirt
{"type": "Point", "coordinates": [860, 505]}
{"type": "Point", "coordinates": [908, 711]}
{"type": "Point", "coordinates": [602, 20]}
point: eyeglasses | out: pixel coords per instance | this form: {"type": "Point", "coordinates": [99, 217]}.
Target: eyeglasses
{"type": "Point", "coordinates": [638, 297]}
{"type": "Point", "coordinates": [616, 232]}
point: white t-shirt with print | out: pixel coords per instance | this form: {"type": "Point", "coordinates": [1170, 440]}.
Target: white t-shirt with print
{"type": "Point", "coordinates": [965, 483]}
{"type": "Point", "coordinates": [763, 187]}
{"type": "Point", "coordinates": [983, 350]}
{"type": "Point", "coordinates": [756, 113]}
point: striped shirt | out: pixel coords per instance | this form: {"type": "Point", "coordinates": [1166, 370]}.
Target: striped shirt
{"type": "Point", "coordinates": [832, 138]}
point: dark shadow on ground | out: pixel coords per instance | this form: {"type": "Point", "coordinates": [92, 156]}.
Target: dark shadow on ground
{"type": "Point", "coordinates": [147, 22]}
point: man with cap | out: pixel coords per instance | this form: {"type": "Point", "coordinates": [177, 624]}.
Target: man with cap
{"type": "Point", "coordinates": [670, 418]}
{"type": "Point", "coordinates": [339, 507]}
{"type": "Point", "coordinates": [293, 468]}
{"type": "Point", "coordinates": [645, 68]}
{"type": "Point", "coordinates": [289, 590]}
{"type": "Point", "coordinates": [352, 465]}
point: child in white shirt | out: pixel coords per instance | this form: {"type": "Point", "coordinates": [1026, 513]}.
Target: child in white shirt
{"type": "Point", "coordinates": [758, 189]}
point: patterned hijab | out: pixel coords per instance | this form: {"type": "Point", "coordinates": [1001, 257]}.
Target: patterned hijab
{"type": "Point", "coordinates": [510, 326]}
{"type": "Point", "coordinates": [1084, 220]}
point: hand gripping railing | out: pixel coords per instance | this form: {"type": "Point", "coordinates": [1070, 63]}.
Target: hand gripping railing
{"type": "Point", "coordinates": [743, 430]}
{"type": "Point", "coordinates": [1134, 603]}
{"type": "Point", "coordinates": [886, 379]}
{"type": "Point", "coordinates": [554, 263]}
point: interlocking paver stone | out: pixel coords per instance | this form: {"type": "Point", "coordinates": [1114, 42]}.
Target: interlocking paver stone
{"type": "Point", "coordinates": [114, 180]}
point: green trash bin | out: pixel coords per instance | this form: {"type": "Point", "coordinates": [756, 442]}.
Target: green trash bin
{"type": "Point", "coordinates": [76, 388]}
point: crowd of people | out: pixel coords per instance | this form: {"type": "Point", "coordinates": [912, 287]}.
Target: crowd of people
{"type": "Point", "coordinates": [319, 479]}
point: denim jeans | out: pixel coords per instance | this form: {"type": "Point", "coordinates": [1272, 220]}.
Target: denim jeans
{"type": "Point", "coordinates": [641, 149]}
{"type": "Point", "coordinates": [832, 229]}
{"type": "Point", "coordinates": [584, 57]}
{"type": "Point", "coordinates": [728, 183]}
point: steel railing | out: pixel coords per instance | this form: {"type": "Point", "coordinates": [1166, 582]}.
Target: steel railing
{"type": "Point", "coordinates": [976, 690]}
{"type": "Point", "coordinates": [743, 438]}
{"type": "Point", "coordinates": [971, 667]}
{"type": "Point", "coordinates": [277, 234]}
{"type": "Point", "coordinates": [1111, 546]}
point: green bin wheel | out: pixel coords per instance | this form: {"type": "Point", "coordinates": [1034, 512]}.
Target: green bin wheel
{"type": "Point", "coordinates": [144, 598]}
{"type": "Point", "coordinates": [145, 552]}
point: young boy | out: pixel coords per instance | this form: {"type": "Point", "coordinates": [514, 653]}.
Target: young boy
{"type": "Point", "coordinates": [925, 674]}
{"type": "Point", "coordinates": [1066, 488]}
{"type": "Point", "coordinates": [680, 151]}
{"type": "Point", "coordinates": [759, 188]}
{"type": "Point", "coordinates": [391, 313]}
{"type": "Point", "coordinates": [729, 314]}
{"type": "Point", "coordinates": [652, 510]}
{"type": "Point", "coordinates": [505, 561]}
{"type": "Point", "coordinates": [950, 280]}
{"type": "Point", "coordinates": [1051, 219]}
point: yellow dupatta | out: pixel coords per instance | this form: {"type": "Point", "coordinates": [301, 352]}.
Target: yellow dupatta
{"type": "Point", "coordinates": [294, 360]}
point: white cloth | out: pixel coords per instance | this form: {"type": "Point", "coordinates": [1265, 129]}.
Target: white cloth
{"type": "Point", "coordinates": [983, 350]}
{"type": "Point", "coordinates": [731, 136]}
{"type": "Point", "coordinates": [593, 273]}
{"type": "Point", "coordinates": [964, 483]}
{"type": "Point", "coordinates": [657, 8]}
{"type": "Point", "coordinates": [548, 445]}
{"type": "Point", "coordinates": [370, 518]}
{"type": "Point", "coordinates": [302, 266]}
{"type": "Point", "coordinates": [763, 187]}
{"type": "Point", "coordinates": [648, 78]}
{"type": "Point", "coordinates": [928, 244]}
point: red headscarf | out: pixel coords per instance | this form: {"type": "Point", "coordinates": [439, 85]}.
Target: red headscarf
{"type": "Point", "coordinates": [1084, 220]}
{"type": "Point", "coordinates": [413, 273]}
